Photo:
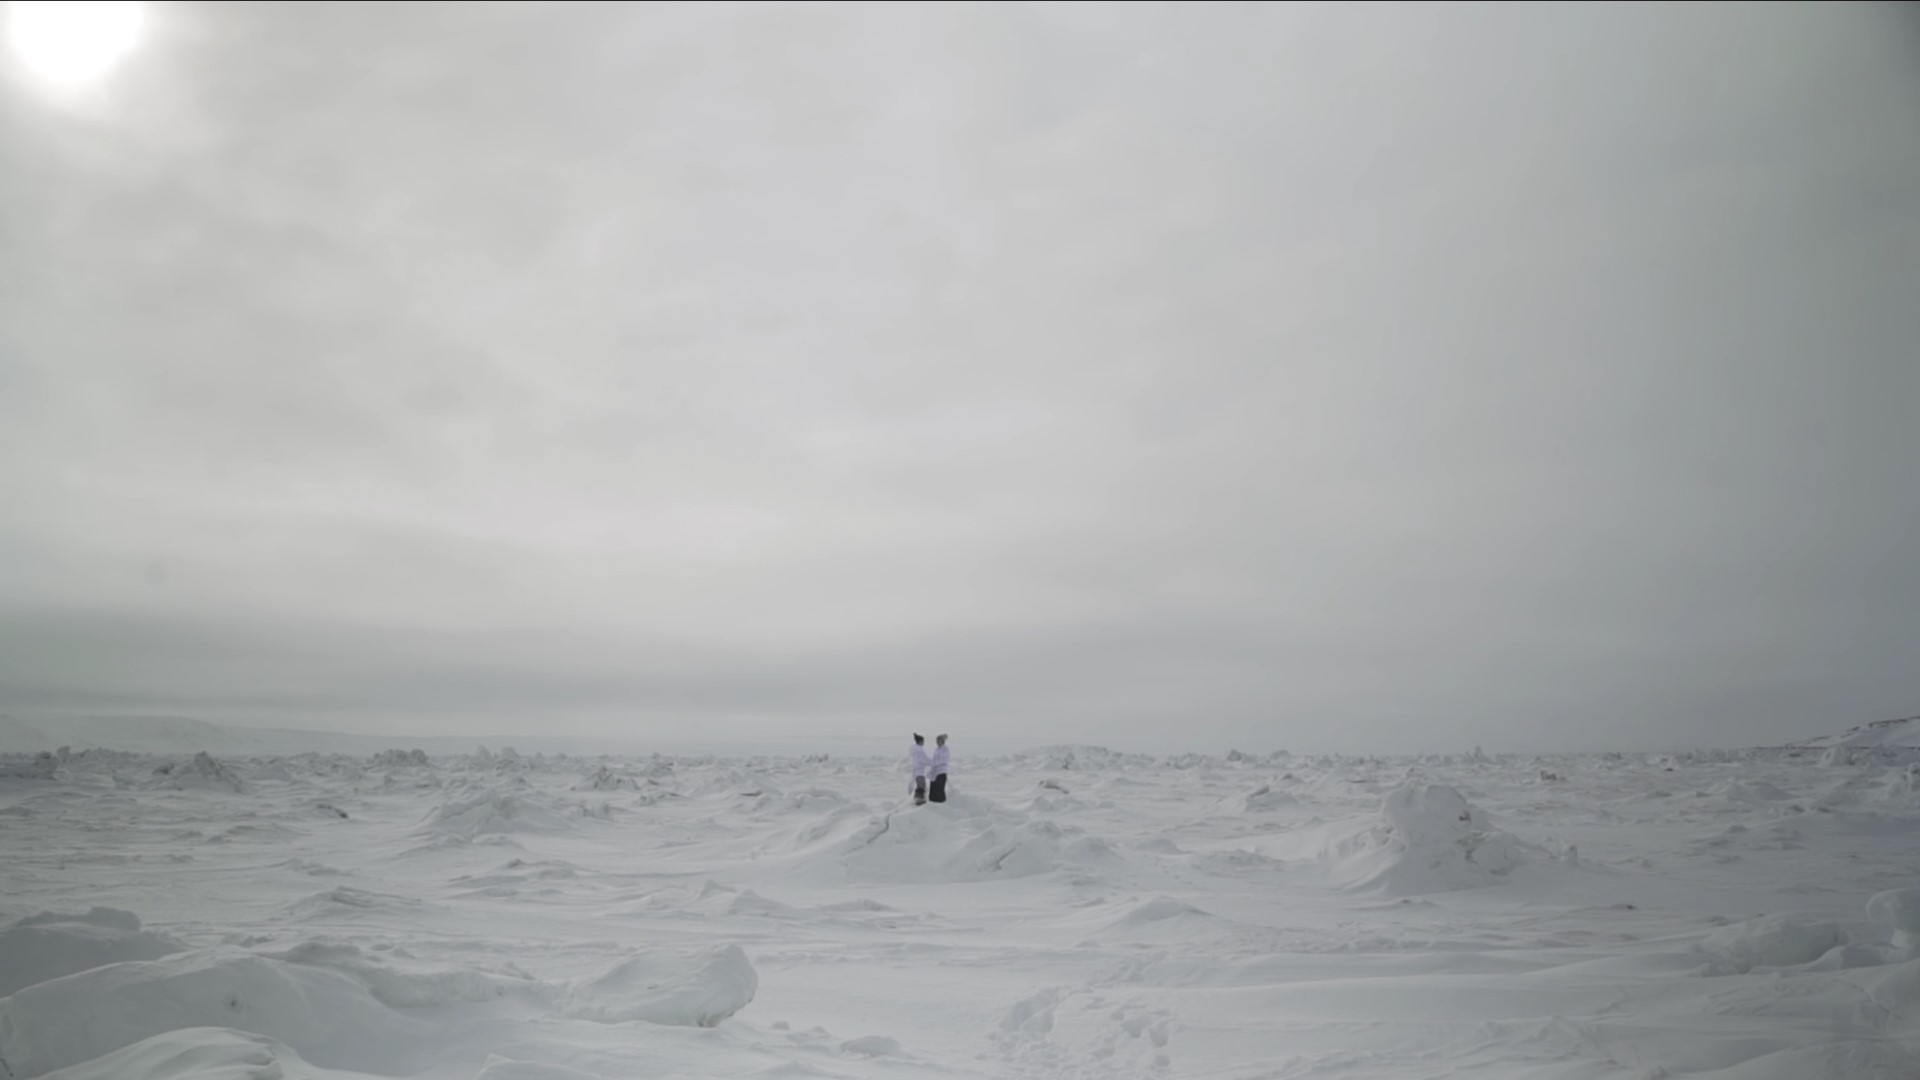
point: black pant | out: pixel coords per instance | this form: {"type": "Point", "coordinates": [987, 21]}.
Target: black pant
{"type": "Point", "coordinates": [939, 792]}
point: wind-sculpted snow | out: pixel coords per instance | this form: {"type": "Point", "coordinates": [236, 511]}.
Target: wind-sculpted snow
{"type": "Point", "coordinates": [500, 1068]}
{"type": "Point", "coordinates": [1898, 912]}
{"type": "Point", "coordinates": [198, 773]}
{"type": "Point", "coordinates": [1265, 799]}
{"type": "Point", "coordinates": [1163, 921]}
{"type": "Point", "coordinates": [1428, 839]}
{"type": "Point", "coordinates": [326, 1017]}
{"type": "Point", "coordinates": [967, 839]}
{"type": "Point", "coordinates": [399, 983]}
{"type": "Point", "coordinates": [698, 990]}
{"type": "Point", "coordinates": [346, 903]}
{"type": "Point", "coordinates": [494, 811]}
{"type": "Point", "coordinates": [1770, 941]}
{"type": "Point", "coordinates": [36, 948]}
{"type": "Point", "coordinates": [1071, 912]}
{"type": "Point", "coordinates": [606, 778]}
{"type": "Point", "coordinates": [44, 765]}
{"type": "Point", "coordinates": [201, 1054]}
{"type": "Point", "coordinates": [335, 1005]}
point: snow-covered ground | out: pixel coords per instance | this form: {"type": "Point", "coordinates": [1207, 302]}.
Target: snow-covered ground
{"type": "Point", "coordinates": [1071, 913]}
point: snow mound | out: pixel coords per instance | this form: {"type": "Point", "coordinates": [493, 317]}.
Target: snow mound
{"type": "Point", "coordinates": [873, 1046]}
{"type": "Point", "coordinates": [348, 902]}
{"type": "Point", "coordinates": [966, 839]}
{"type": "Point", "coordinates": [1750, 792]}
{"type": "Point", "coordinates": [836, 824]}
{"type": "Point", "coordinates": [689, 990]}
{"type": "Point", "coordinates": [325, 1017]}
{"type": "Point", "coordinates": [401, 759]}
{"type": "Point", "coordinates": [50, 945]}
{"type": "Point", "coordinates": [41, 766]}
{"type": "Point", "coordinates": [752, 903]}
{"type": "Point", "coordinates": [1236, 863]}
{"type": "Point", "coordinates": [195, 1054]}
{"type": "Point", "coordinates": [1895, 987]}
{"type": "Point", "coordinates": [1890, 791]}
{"type": "Point", "coordinates": [1032, 1014]}
{"type": "Point", "coordinates": [398, 987]}
{"type": "Point", "coordinates": [1265, 799]}
{"type": "Point", "coordinates": [1158, 910]}
{"type": "Point", "coordinates": [817, 799]}
{"type": "Point", "coordinates": [492, 813]}
{"type": "Point", "coordinates": [499, 1068]}
{"type": "Point", "coordinates": [1428, 839]}
{"type": "Point", "coordinates": [605, 778]}
{"type": "Point", "coordinates": [202, 773]}
{"type": "Point", "coordinates": [1161, 921]}
{"type": "Point", "coordinates": [1898, 910]}
{"type": "Point", "coordinates": [715, 898]}
{"type": "Point", "coordinates": [1770, 941]}
{"type": "Point", "coordinates": [1057, 804]}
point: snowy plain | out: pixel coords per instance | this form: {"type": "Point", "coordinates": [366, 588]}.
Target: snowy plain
{"type": "Point", "coordinates": [1072, 912]}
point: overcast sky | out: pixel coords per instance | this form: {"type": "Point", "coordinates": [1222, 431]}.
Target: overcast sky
{"type": "Point", "coordinates": [1373, 378]}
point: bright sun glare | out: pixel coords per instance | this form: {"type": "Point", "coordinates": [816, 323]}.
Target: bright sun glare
{"type": "Point", "coordinates": [73, 41]}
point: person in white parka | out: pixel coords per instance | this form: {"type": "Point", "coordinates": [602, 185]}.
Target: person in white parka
{"type": "Point", "coordinates": [937, 767]}
{"type": "Point", "coordinates": [922, 767]}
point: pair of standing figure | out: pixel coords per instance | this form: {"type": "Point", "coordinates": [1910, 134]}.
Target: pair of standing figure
{"type": "Point", "coordinates": [929, 770]}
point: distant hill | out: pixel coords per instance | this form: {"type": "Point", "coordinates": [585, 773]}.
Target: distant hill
{"type": "Point", "coordinates": [186, 735]}
{"type": "Point", "coordinates": [1904, 732]}
{"type": "Point", "coordinates": [151, 734]}
{"type": "Point", "coordinates": [183, 735]}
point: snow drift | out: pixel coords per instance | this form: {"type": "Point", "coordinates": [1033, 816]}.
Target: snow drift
{"type": "Point", "coordinates": [331, 1004]}
{"type": "Point", "coordinates": [325, 1017]}
{"type": "Point", "coordinates": [200, 773]}
{"type": "Point", "coordinates": [966, 839]}
{"type": "Point", "coordinates": [697, 990]}
{"type": "Point", "coordinates": [492, 812]}
{"type": "Point", "coordinates": [606, 778]}
{"type": "Point", "coordinates": [1428, 839]}
{"type": "Point", "coordinates": [1266, 798]}
{"type": "Point", "coordinates": [1161, 920]}
{"type": "Point", "coordinates": [346, 903]}
{"type": "Point", "coordinates": [1898, 911]}
{"type": "Point", "coordinates": [197, 1054]}
{"type": "Point", "coordinates": [399, 984]}
{"type": "Point", "coordinates": [41, 766]}
{"type": "Point", "coordinates": [1770, 941]}
{"type": "Point", "coordinates": [499, 1068]}
{"type": "Point", "coordinates": [47, 946]}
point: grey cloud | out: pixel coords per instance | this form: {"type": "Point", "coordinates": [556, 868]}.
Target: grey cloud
{"type": "Point", "coordinates": [1297, 375]}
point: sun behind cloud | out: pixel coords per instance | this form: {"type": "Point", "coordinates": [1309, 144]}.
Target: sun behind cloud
{"type": "Point", "coordinates": [71, 42]}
